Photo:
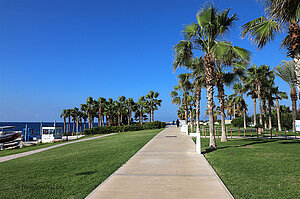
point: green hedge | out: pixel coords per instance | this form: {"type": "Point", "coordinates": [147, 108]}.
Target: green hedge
{"type": "Point", "coordinates": [132, 127]}
{"type": "Point", "coordinates": [239, 122]}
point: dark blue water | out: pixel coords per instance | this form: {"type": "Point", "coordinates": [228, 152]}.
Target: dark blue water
{"type": "Point", "coordinates": [19, 126]}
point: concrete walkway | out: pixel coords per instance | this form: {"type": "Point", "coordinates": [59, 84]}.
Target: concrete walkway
{"type": "Point", "coordinates": [166, 167]}
{"type": "Point", "coordinates": [18, 155]}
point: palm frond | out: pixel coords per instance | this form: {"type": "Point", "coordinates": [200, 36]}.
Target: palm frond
{"type": "Point", "coordinates": [261, 30]}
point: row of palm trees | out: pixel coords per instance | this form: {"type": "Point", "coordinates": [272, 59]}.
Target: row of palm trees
{"type": "Point", "coordinates": [112, 112]}
{"type": "Point", "coordinates": [220, 62]}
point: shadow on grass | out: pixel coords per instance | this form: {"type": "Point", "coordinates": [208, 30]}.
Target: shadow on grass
{"type": "Point", "coordinates": [85, 173]}
{"type": "Point", "coordinates": [293, 142]}
{"type": "Point", "coordinates": [255, 141]}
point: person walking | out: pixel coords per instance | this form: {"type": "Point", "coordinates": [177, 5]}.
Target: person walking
{"type": "Point", "coordinates": [177, 123]}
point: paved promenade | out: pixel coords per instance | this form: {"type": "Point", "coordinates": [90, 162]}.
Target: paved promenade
{"type": "Point", "coordinates": [18, 155]}
{"type": "Point", "coordinates": [166, 167]}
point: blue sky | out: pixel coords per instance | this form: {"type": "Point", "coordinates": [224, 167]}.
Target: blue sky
{"type": "Point", "coordinates": [54, 54]}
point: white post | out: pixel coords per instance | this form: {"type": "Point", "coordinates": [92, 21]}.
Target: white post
{"type": "Point", "coordinates": [25, 132]}
{"type": "Point", "coordinates": [54, 129]}
{"type": "Point", "coordinates": [41, 128]}
{"type": "Point", "coordinates": [198, 143]}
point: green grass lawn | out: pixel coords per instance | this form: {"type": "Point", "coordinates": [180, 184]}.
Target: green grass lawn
{"type": "Point", "coordinates": [258, 168]}
{"type": "Point", "coordinates": [70, 171]}
{"type": "Point", "coordinates": [7, 152]}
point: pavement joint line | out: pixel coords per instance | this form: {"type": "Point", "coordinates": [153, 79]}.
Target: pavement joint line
{"type": "Point", "coordinates": [19, 155]}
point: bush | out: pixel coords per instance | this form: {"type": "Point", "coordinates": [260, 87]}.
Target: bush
{"type": "Point", "coordinates": [132, 127]}
{"type": "Point", "coordinates": [239, 122]}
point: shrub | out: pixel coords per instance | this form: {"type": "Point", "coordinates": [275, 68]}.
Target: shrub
{"type": "Point", "coordinates": [239, 122]}
{"type": "Point", "coordinates": [132, 127]}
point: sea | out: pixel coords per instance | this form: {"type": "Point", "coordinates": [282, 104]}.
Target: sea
{"type": "Point", "coordinates": [36, 126]}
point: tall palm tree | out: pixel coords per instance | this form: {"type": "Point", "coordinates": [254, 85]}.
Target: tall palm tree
{"type": "Point", "coordinates": [129, 103]}
{"type": "Point", "coordinates": [286, 71]}
{"type": "Point", "coordinates": [198, 76]}
{"type": "Point", "coordinates": [239, 100]}
{"type": "Point", "coordinates": [278, 95]}
{"type": "Point", "coordinates": [122, 106]}
{"type": "Point", "coordinates": [281, 15]}
{"type": "Point", "coordinates": [227, 78]}
{"type": "Point", "coordinates": [181, 92]}
{"type": "Point", "coordinates": [229, 107]}
{"type": "Point", "coordinates": [141, 108]}
{"type": "Point", "coordinates": [205, 35]}
{"type": "Point", "coordinates": [68, 115]}
{"type": "Point", "coordinates": [253, 83]}
{"type": "Point", "coordinates": [91, 109]}
{"type": "Point", "coordinates": [64, 115]}
{"type": "Point", "coordinates": [154, 102]}
{"type": "Point", "coordinates": [101, 103]}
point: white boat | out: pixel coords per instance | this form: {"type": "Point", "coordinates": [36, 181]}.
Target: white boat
{"type": "Point", "coordinates": [6, 135]}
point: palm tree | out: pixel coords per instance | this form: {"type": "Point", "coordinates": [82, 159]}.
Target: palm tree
{"type": "Point", "coordinates": [198, 75]}
{"type": "Point", "coordinates": [64, 115]}
{"type": "Point", "coordinates": [91, 109]}
{"type": "Point", "coordinates": [68, 115]}
{"type": "Point", "coordinates": [229, 107]}
{"type": "Point", "coordinates": [281, 14]}
{"type": "Point", "coordinates": [239, 100]}
{"type": "Point", "coordinates": [253, 83]}
{"type": "Point", "coordinates": [286, 71]}
{"type": "Point", "coordinates": [180, 113]}
{"type": "Point", "coordinates": [151, 96]}
{"type": "Point", "coordinates": [141, 106]}
{"type": "Point", "coordinates": [101, 104]}
{"type": "Point", "coordinates": [227, 78]}
{"type": "Point", "coordinates": [129, 103]}
{"type": "Point", "coordinates": [181, 92]}
{"type": "Point", "coordinates": [122, 106]}
{"type": "Point", "coordinates": [278, 95]}
{"type": "Point", "coordinates": [205, 35]}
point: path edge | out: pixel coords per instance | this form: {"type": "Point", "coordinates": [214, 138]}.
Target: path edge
{"type": "Point", "coordinates": [226, 189]}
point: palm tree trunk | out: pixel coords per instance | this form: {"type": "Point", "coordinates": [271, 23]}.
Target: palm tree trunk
{"type": "Point", "coordinates": [64, 124]}
{"type": "Point", "coordinates": [254, 110]}
{"type": "Point", "coordinates": [129, 116]}
{"type": "Point", "coordinates": [265, 113]}
{"type": "Point", "coordinates": [221, 102]}
{"type": "Point", "coordinates": [233, 109]}
{"type": "Point", "coordinates": [74, 124]}
{"type": "Point", "coordinates": [244, 115]}
{"type": "Point", "coordinates": [209, 71]}
{"type": "Point", "coordinates": [198, 98]}
{"type": "Point", "coordinates": [152, 112]}
{"type": "Point", "coordinates": [186, 114]}
{"type": "Point", "coordinates": [296, 59]}
{"type": "Point", "coordinates": [192, 120]}
{"type": "Point", "coordinates": [141, 116]}
{"type": "Point", "coordinates": [278, 115]}
{"type": "Point", "coordinates": [152, 115]}
{"type": "Point", "coordinates": [259, 106]}
{"type": "Point", "coordinates": [69, 124]}
{"type": "Point", "coordinates": [99, 119]}
{"type": "Point", "coordinates": [294, 113]}
{"type": "Point", "coordinates": [270, 118]}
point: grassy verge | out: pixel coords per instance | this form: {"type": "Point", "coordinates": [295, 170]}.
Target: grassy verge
{"type": "Point", "coordinates": [70, 171]}
{"type": "Point", "coordinates": [249, 132]}
{"type": "Point", "coordinates": [7, 152]}
{"type": "Point", "coordinates": [258, 168]}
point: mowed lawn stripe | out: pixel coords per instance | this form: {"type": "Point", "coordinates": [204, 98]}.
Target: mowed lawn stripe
{"type": "Point", "coordinates": [70, 171]}
{"type": "Point", "coordinates": [258, 168]}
